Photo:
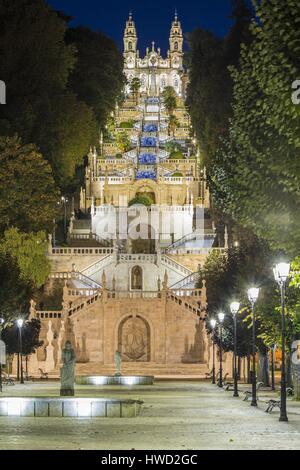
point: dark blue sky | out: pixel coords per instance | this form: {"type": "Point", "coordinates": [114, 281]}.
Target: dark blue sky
{"type": "Point", "coordinates": [152, 17]}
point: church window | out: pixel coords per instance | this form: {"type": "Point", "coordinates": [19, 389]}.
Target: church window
{"type": "Point", "coordinates": [176, 83]}
{"type": "Point", "coordinates": [163, 82]}
{"type": "Point", "coordinates": [176, 46]}
{"type": "Point", "coordinates": [130, 46]}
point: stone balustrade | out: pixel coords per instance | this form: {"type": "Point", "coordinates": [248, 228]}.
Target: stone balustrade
{"type": "Point", "coordinates": [67, 251]}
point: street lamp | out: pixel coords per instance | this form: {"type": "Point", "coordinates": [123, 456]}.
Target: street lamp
{"type": "Point", "coordinates": [1, 324]}
{"type": "Point", "coordinates": [281, 274]}
{"type": "Point", "coordinates": [253, 294]}
{"type": "Point", "coordinates": [65, 201]}
{"type": "Point", "coordinates": [234, 308]}
{"type": "Point", "coordinates": [221, 317]}
{"type": "Point", "coordinates": [20, 323]}
{"type": "Point", "coordinates": [213, 324]}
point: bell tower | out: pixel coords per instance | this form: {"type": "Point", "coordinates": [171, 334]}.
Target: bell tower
{"type": "Point", "coordinates": [130, 41]}
{"type": "Point", "coordinates": [176, 43]}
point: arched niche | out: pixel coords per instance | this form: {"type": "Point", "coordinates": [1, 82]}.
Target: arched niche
{"type": "Point", "coordinates": [134, 339]}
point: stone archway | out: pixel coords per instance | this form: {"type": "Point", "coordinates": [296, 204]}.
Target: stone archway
{"type": "Point", "coordinates": [145, 187]}
{"type": "Point", "coordinates": [134, 339]}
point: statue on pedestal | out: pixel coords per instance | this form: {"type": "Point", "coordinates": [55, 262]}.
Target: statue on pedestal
{"type": "Point", "coordinates": [67, 372]}
{"type": "Point", "coordinates": [118, 360]}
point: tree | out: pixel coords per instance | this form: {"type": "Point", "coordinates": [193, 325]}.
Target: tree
{"type": "Point", "coordinates": [228, 278]}
{"type": "Point", "coordinates": [123, 141]}
{"type": "Point", "coordinates": [28, 195]}
{"type": "Point", "coordinates": [170, 99]}
{"type": "Point", "coordinates": [30, 338]}
{"type": "Point", "coordinates": [255, 177]}
{"type": "Point", "coordinates": [35, 63]}
{"type": "Point", "coordinates": [97, 78]}
{"type": "Point", "coordinates": [210, 88]}
{"type": "Point", "coordinates": [15, 292]}
{"type": "Point", "coordinates": [29, 252]}
{"type": "Point", "coordinates": [68, 131]}
{"type": "Point", "coordinates": [173, 125]}
{"type": "Point", "coordinates": [135, 86]}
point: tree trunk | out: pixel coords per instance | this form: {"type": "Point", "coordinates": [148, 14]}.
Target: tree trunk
{"type": "Point", "coordinates": [289, 381]}
{"type": "Point", "coordinates": [264, 368]}
{"type": "Point", "coordinates": [249, 367]}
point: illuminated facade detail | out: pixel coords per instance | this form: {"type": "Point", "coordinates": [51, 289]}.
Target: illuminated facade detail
{"type": "Point", "coordinates": [154, 71]}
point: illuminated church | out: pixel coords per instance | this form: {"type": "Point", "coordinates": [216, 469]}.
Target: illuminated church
{"type": "Point", "coordinates": [154, 71]}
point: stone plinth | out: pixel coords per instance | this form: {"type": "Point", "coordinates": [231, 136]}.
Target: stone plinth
{"type": "Point", "coordinates": [69, 407]}
{"type": "Point", "coordinates": [114, 380]}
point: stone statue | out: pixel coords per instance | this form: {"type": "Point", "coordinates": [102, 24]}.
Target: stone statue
{"type": "Point", "coordinates": [118, 360]}
{"type": "Point", "coordinates": [67, 372]}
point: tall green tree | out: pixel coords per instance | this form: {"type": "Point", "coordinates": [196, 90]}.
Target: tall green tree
{"type": "Point", "coordinates": [29, 252]}
{"type": "Point", "coordinates": [209, 92]}
{"type": "Point", "coordinates": [255, 177]}
{"type": "Point", "coordinates": [35, 63]}
{"type": "Point", "coordinates": [97, 78]}
{"type": "Point", "coordinates": [28, 194]}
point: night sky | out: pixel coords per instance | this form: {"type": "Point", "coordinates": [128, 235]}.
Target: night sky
{"type": "Point", "coordinates": [153, 17]}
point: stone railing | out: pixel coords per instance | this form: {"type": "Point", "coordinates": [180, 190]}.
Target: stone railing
{"type": "Point", "coordinates": [181, 298]}
{"type": "Point", "coordinates": [82, 292]}
{"type": "Point", "coordinates": [98, 266]}
{"type": "Point", "coordinates": [77, 276]}
{"type": "Point", "coordinates": [177, 179]}
{"type": "Point", "coordinates": [136, 258]}
{"type": "Point", "coordinates": [191, 279]}
{"type": "Point", "coordinates": [82, 304]}
{"type": "Point", "coordinates": [133, 294]}
{"type": "Point", "coordinates": [176, 266]}
{"type": "Point", "coordinates": [48, 315]}
{"type": "Point", "coordinates": [70, 251]}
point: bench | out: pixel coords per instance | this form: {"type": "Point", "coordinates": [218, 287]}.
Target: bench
{"type": "Point", "coordinates": [272, 404]}
{"type": "Point", "coordinates": [248, 393]}
{"type": "Point", "coordinates": [290, 392]}
{"type": "Point", "coordinates": [44, 375]}
{"type": "Point", "coordinates": [209, 374]}
{"type": "Point", "coordinates": [6, 380]}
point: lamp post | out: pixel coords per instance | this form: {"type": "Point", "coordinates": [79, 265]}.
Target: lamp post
{"type": "Point", "coordinates": [20, 323]}
{"type": "Point", "coordinates": [213, 324]}
{"type": "Point", "coordinates": [221, 317]}
{"type": "Point", "coordinates": [281, 275]}
{"type": "Point", "coordinates": [64, 201]}
{"type": "Point", "coordinates": [234, 308]}
{"type": "Point", "coordinates": [253, 294]}
{"type": "Point", "coordinates": [1, 324]}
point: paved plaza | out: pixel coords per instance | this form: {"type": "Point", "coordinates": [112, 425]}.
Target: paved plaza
{"type": "Point", "coordinates": [184, 415]}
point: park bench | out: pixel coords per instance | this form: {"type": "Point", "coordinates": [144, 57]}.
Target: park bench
{"type": "Point", "coordinates": [248, 393]}
{"type": "Point", "coordinates": [225, 379]}
{"type": "Point", "coordinates": [6, 380]}
{"type": "Point", "coordinates": [209, 374]}
{"type": "Point", "coordinates": [290, 392]}
{"type": "Point", "coordinates": [272, 404]}
{"type": "Point", "coordinates": [44, 375]}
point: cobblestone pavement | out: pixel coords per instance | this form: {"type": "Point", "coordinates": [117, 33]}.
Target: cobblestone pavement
{"type": "Point", "coordinates": [175, 415]}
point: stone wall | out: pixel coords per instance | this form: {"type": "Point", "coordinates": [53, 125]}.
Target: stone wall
{"type": "Point", "coordinates": [148, 331]}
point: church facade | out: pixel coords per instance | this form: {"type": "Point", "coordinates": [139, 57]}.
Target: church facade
{"type": "Point", "coordinates": [128, 278]}
{"type": "Point", "coordinates": [154, 71]}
